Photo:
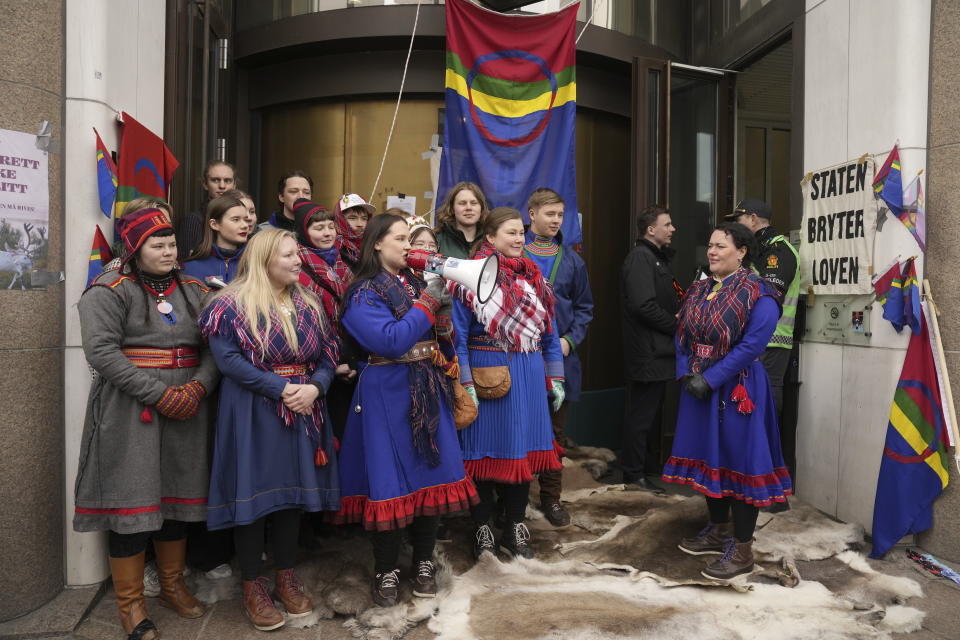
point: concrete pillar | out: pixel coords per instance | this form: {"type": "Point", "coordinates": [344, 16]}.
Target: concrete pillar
{"type": "Point", "coordinates": [943, 239]}
{"type": "Point", "coordinates": [31, 342]}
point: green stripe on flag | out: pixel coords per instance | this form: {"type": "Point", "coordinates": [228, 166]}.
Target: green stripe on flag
{"type": "Point", "coordinates": [510, 89]}
{"type": "Point", "coordinates": [915, 415]}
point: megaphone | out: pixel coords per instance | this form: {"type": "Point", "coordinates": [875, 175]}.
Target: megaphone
{"type": "Point", "coordinates": [480, 276]}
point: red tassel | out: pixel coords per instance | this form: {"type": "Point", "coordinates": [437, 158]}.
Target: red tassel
{"type": "Point", "coordinates": [745, 406]}
{"type": "Point", "coordinates": [145, 415]}
{"type": "Point", "coordinates": [320, 457]}
{"type": "Point", "coordinates": [739, 393]}
{"type": "Point", "coordinates": [336, 444]}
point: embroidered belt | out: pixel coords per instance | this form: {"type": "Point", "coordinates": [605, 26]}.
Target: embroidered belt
{"type": "Point", "coordinates": [703, 350]}
{"type": "Point", "coordinates": [486, 343]}
{"type": "Point", "coordinates": [420, 351]}
{"type": "Point", "coordinates": [290, 370]}
{"type": "Point", "coordinates": [154, 358]}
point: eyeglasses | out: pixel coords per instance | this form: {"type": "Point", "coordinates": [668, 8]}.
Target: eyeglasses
{"type": "Point", "coordinates": [426, 245]}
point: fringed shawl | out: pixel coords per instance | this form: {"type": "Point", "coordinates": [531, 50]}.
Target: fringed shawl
{"type": "Point", "coordinates": [226, 318]}
{"type": "Point", "coordinates": [520, 311]}
{"type": "Point", "coordinates": [428, 385]}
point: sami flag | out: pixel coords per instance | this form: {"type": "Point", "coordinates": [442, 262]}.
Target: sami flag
{"type": "Point", "coordinates": [913, 216]}
{"type": "Point", "coordinates": [100, 255]}
{"type": "Point", "coordinates": [888, 184]}
{"type": "Point", "coordinates": [511, 107]}
{"type": "Point", "coordinates": [106, 177]}
{"type": "Point", "coordinates": [911, 296]}
{"type": "Point", "coordinates": [913, 471]}
{"type": "Point", "coordinates": [889, 290]}
{"type": "Point", "coordinates": [146, 165]}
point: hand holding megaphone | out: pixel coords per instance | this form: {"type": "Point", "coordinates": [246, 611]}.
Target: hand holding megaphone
{"type": "Point", "coordinates": [480, 276]}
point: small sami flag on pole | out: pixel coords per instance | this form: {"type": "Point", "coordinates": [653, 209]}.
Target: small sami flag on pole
{"type": "Point", "coordinates": [106, 177]}
{"type": "Point", "coordinates": [100, 255]}
{"type": "Point", "coordinates": [913, 216]}
{"type": "Point", "coordinates": [888, 185]}
{"type": "Point", "coordinates": [146, 165]}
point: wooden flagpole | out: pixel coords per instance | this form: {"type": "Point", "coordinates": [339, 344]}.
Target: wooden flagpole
{"type": "Point", "coordinates": [948, 390]}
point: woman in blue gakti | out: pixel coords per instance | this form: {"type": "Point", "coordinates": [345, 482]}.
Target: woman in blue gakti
{"type": "Point", "coordinates": [512, 438]}
{"type": "Point", "coordinates": [216, 259]}
{"type": "Point", "coordinates": [273, 449]}
{"type": "Point", "coordinates": [727, 444]}
{"type": "Point", "coordinates": [400, 462]}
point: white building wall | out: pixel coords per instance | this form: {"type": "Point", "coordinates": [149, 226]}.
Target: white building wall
{"type": "Point", "coordinates": [866, 68]}
{"type": "Point", "coordinates": [115, 61]}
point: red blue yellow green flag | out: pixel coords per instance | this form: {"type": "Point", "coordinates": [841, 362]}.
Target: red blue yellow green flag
{"type": "Point", "coordinates": [913, 471]}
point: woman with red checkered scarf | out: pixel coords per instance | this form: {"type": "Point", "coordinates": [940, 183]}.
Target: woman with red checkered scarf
{"type": "Point", "coordinates": [143, 469]}
{"type": "Point", "coordinates": [512, 437]}
{"type": "Point", "coordinates": [273, 451]}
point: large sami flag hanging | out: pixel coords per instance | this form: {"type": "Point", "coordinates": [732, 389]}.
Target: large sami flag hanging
{"type": "Point", "coordinates": [511, 107]}
{"type": "Point", "coordinates": [146, 166]}
{"type": "Point", "coordinates": [914, 469]}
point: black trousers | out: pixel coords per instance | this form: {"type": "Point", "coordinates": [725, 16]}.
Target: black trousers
{"type": "Point", "coordinates": [514, 496]}
{"type": "Point", "coordinates": [284, 534]}
{"type": "Point", "coordinates": [125, 545]}
{"type": "Point", "coordinates": [386, 544]}
{"type": "Point", "coordinates": [642, 421]}
{"type": "Point", "coordinates": [775, 361]}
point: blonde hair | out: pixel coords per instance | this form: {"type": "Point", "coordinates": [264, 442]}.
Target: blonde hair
{"type": "Point", "coordinates": [253, 292]}
{"type": "Point", "coordinates": [146, 202]}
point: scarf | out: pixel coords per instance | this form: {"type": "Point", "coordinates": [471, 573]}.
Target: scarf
{"type": "Point", "coordinates": [315, 347]}
{"type": "Point", "coordinates": [280, 221]}
{"type": "Point", "coordinates": [716, 322]}
{"type": "Point", "coordinates": [520, 309]}
{"type": "Point", "coordinates": [348, 240]}
{"type": "Point", "coordinates": [328, 277]}
{"type": "Point", "coordinates": [426, 381]}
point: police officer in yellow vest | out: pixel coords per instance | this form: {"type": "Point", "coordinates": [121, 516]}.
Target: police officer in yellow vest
{"type": "Point", "coordinates": [779, 264]}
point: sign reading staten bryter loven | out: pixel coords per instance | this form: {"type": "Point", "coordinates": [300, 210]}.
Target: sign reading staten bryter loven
{"type": "Point", "coordinates": [839, 224]}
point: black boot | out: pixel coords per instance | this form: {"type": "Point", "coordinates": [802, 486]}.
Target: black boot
{"type": "Point", "coordinates": [483, 541]}
{"type": "Point", "coordinates": [516, 540]}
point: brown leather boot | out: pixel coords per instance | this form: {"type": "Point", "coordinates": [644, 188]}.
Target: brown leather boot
{"type": "Point", "coordinates": [737, 559]}
{"type": "Point", "coordinates": [710, 540]}
{"type": "Point", "coordinates": [171, 559]}
{"type": "Point", "coordinates": [258, 607]}
{"type": "Point", "coordinates": [128, 583]}
{"type": "Point", "coordinates": [289, 590]}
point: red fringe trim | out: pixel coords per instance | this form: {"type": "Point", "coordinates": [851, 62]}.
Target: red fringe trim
{"type": "Point", "coordinates": [397, 513]}
{"type": "Point", "coordinates": [517, 470]}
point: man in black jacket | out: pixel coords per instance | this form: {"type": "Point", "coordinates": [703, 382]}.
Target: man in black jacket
{"type": "Point", "coordinates": [650, 302]}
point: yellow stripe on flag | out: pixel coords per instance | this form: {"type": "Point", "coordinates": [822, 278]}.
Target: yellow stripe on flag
{"type": "Point", "coordinates": [510, 108]}
{"type": "Point", "coordinates": [909, 433]}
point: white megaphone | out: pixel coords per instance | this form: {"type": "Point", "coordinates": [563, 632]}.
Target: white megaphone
{"type": "Point", "coordinates": [480, 276]}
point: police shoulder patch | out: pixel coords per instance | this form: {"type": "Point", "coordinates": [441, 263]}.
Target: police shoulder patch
{"type": "Point", "coordinates": [773, 261]}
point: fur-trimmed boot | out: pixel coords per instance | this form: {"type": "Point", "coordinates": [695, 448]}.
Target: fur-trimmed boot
{"type": "Point", "coordinates": [171, 560]}
{"type": "Point", "coordinates": [737, 559]}
{"type": "Point", "coordinates": [128, 584]}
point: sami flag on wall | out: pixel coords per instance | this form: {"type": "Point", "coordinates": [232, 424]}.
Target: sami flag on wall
{"type": "Point", "coordinates": [100, 255]}
{"type": "Point", "coordinates": [888, 184]}
{"type": "Point", "coordinates": [106, 177]}
{"type": "Point", "coordinates": [913, 471]}
{"type": "Point", "coordinates": [146, 165]}
{"type": "Point", "coordinates": [511, 107]}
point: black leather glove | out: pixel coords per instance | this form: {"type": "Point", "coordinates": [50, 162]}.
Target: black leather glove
{"type": "Point", "coordinates": [696, 385]}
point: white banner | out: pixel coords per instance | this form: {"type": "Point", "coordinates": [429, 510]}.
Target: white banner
{"type": "Point", "coordinates": [24, 208]}
{"type": "Point", "coordinates": [839, 225]}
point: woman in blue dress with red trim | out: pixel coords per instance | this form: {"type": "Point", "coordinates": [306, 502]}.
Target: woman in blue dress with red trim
{"type": "Point", "coordinates": [727, 444]}
{"type": "Point", "coordinates": [400, 462]}
{"type": "Point", "coordinates": [512, 438]}
{"type": "Point", "coordinates": [273, 451]}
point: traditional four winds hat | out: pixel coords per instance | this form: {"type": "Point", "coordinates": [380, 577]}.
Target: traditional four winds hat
{"type": "Point", "coordinates": [417, 222]}
{"type": "Point", "coordinates": [748, 206]}
{"type": "Point", "coordinates": [134, 229]}
{"type": "Point", "coordinates": [303, 211]}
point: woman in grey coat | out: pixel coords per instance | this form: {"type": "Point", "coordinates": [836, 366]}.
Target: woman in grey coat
{"type": "Point", "coordinates": [143, 469]}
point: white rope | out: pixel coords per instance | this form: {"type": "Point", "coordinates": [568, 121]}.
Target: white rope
{"type": "Point", "coordinates": [396, 110]}
{"type": "Point", "coordinates": [593, 9]}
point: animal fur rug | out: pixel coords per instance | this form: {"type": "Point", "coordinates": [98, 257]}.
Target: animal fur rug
{"type": "Point", "coordinates": [616, 572]}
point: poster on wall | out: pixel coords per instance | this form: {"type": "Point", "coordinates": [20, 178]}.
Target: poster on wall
{"type": "Point", "coordinates": [839, 225]}
{"type": "Point", "coordinates": [24, 208]}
